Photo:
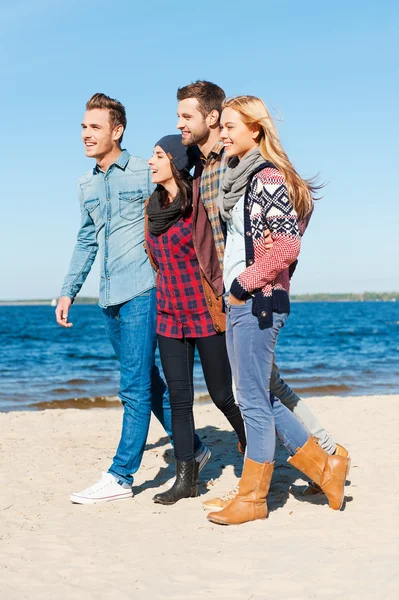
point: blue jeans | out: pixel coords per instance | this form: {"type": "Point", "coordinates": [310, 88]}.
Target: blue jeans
{"type": "Point", "coordinates": [296, 405]}
{"type": "Point", "coordinates": [251, 355]}
{"type": "Point", "coordinates": [131, 329]}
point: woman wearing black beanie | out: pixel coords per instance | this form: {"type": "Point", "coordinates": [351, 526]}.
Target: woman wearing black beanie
{"type": "Point", "coordinates": [189, 305]}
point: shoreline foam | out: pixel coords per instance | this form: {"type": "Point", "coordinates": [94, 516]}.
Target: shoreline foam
{"type": "Point", "coordinates": [91, 403]}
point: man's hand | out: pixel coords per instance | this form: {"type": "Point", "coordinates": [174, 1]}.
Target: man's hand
{"type": "Point", "coordinates": [268, 239]}
{"type": "Point", "coordinates": [233, 300]}
{"type": "Point", "coordinates": [61, 312]}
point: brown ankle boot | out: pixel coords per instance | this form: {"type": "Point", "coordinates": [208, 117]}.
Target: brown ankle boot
{"type": "Point", "coordinates": [313, 488]}
{"type": "Point", "coordinates": [250, 502]}
{"type": "Point", "coordinates": [341, 451]}
{"type": "Point", "coordinates": [328, 472]}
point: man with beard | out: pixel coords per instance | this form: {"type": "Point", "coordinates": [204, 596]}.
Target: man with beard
{"type": "Point", "coordinates": [199, 109]}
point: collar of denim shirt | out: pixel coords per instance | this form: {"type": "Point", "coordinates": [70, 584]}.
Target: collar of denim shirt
{"type": "Point", "coordinates": [120, 162]}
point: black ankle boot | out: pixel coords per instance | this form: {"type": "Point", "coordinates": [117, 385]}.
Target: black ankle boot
{"type": "Point", "coordinates": [185, 485]}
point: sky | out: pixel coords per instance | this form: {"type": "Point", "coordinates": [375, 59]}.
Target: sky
{"type": "Point", "coordinates": [327, 71]}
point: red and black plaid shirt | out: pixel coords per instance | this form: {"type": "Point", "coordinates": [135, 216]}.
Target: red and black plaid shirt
{"type": "Point", "coordinates": [181, 306]}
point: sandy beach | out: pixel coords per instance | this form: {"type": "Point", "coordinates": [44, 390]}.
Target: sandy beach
{"type": "Point", "coordinates": [50, 548]}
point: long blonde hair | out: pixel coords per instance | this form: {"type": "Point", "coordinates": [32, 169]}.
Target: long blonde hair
{"type": "Point", "coordinates": [254, 114]}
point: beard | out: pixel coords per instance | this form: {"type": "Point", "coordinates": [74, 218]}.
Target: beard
{"type": "Point", "coordinates": [199, 136]}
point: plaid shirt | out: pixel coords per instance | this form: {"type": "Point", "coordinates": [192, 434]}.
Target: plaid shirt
{"type": "Point", "coordinates": [214, 167]}
{"type": "Point", "coordinates": [181, 306]}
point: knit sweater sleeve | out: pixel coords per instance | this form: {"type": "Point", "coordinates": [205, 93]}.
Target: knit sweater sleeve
{"type": "Point", "coordinates": [270, 208]}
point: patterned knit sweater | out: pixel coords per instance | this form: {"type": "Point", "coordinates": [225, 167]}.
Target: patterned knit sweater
{"type": "Point", "coordinates": [266, 277]}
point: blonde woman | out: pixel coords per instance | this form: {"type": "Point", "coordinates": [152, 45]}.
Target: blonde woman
{"type": "Point", "coordinates": [261, 190]}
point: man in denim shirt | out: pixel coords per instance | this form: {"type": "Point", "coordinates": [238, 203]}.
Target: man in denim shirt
{"type": "Point", "coordinates": [112, 196]}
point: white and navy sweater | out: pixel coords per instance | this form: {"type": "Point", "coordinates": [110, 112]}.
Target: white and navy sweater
{"type": "Point", "coordinates": [267, 278]}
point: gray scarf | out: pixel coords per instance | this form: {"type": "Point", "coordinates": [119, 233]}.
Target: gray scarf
{"type": "Point", "coordinates": [235, 181]}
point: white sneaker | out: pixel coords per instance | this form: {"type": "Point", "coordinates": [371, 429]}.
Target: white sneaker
{"type": "Point", "coordinates": [202, 455]}
{"type": "Point", "coordinates": [105, 490]}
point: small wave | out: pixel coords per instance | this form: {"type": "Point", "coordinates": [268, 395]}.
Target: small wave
{"type": "Point", "coordinates": [61, 390]}
{"type": "Point", "coordinates": [325, 390]}
{"type": "Point", "coordinates": [355, 333]}
{"type": "Point", "coordinates": [77, 381]}
{"type": "Point", "coordinates": [202, 397]}
{"type": "Point", "coordinates": [28, 337]}
{"type": "Point", "coordinates": [295, 371]}
{"type": "Point", "coordinates": [96, 357]}
{"type": "Point", "coordinates": [81, 403]}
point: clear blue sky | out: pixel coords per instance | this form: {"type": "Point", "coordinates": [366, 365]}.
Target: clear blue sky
{"type": "Point", "coordinates": [328, 69]}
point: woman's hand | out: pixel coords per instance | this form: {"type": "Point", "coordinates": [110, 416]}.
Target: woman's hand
{"type": "Point", "coordinates": [233, 300]}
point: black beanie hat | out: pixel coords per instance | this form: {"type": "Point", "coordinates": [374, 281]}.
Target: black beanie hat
{"type": "Point", "coordinates": [183, 157]}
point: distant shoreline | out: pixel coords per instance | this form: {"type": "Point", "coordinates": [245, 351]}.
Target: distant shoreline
{"type": "Point", "coordinates": [364, 297]}
{"type": "Point", "coordinates": [47, 302]}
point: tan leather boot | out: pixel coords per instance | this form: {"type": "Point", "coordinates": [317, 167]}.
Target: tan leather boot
{"type": "Point", "coordinates": [328, 472]}
{"type": "Point", "coordinates": [341, 451]}
{"type": "Point", "coordinates": [313, 488]}
{"type": "Point", "coordinates": [250, 502]}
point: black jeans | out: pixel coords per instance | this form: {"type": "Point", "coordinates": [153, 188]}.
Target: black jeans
{"type": "Point", "coordinates": [177, 357]}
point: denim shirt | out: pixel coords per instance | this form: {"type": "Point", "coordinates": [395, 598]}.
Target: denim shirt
{"type": "Point", "coordinates": [234, 255]}
{"type": "Point", "coordinates": [112, 222]}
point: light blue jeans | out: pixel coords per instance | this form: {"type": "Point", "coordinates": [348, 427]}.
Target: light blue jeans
{"type": "Point", "coordinates": [296, 405]}
{"type": "Point", "coordinates": [131, 329]}
{"type": "Point", "coordinates": [251, 355]}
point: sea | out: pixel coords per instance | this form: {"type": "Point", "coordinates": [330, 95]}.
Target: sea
{"type": "Point", "coordinates": [325, 348]}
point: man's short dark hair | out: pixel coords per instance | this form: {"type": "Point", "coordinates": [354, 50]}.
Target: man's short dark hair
{"type": "Point", "coordinates": [209, 95]}
{"type": "Point", "coordinates": [117, 112]}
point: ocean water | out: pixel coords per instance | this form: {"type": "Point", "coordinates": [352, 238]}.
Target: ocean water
{"type": "Point", "coordinates": [345, 348]}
